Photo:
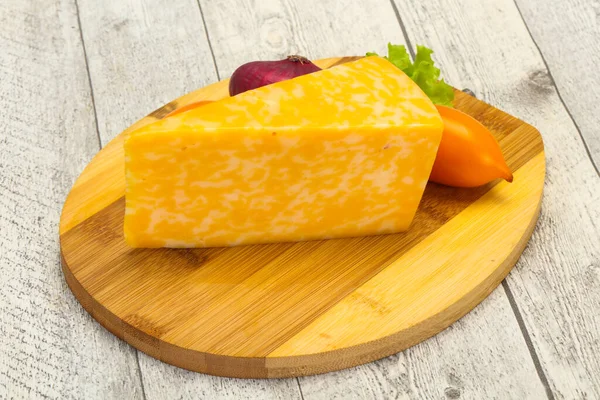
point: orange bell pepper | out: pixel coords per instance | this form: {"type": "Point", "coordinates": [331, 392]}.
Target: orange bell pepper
{"type": "Point", "coordinates": [468, 155]}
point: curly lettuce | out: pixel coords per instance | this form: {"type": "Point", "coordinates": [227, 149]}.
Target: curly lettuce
{"type": "Point", "coordinates": [422, 71]}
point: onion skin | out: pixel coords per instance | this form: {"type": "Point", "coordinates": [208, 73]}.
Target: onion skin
{"type": "Point", "coordinates": [256, 74]}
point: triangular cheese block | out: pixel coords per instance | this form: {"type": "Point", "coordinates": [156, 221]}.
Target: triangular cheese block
{"type": "Point", "coordinates": [341, 152]}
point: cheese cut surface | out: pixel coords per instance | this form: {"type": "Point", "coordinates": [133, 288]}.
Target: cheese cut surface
{"type": "Point", "coordinates": [341, 152]}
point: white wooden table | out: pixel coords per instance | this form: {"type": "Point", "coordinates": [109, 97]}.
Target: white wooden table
{"type": "Point", "coordinates": [74, 73]}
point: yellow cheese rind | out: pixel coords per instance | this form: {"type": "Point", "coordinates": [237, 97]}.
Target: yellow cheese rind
{"type": "Point", "coordinates": [341, 152]}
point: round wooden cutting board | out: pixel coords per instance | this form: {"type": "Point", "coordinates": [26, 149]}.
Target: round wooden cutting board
{"type": "Point", "coordinates": [291, 309]}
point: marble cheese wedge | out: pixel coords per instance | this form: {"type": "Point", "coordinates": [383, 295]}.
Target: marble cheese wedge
{"type": "Point", "coordinates": [337, 153]}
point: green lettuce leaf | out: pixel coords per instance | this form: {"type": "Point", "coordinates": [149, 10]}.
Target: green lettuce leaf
{"type": "Point", "coordinates": [422, 71]}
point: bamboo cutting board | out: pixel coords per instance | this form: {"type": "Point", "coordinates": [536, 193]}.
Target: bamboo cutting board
{"type": "Point", "coordinates": [291, 309]}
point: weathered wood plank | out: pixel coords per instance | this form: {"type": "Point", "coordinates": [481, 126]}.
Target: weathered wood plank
{"type": "Point", "coordinates": [49, 346]}
{"type": "Point", "coordinates": [483, 348]}
{"type": "Point", "coordinates": [163, 381]}
{"type": "Point", "coordinates": [556, 285]}
{"type": "Point", "coordinates": [142, 54]}
{"type": "Point", "coordinates": [274, 29]}
{"type": "Point", "coordinates": [568, 33]}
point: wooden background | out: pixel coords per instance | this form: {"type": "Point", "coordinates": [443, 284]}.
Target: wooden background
{"type": "Point", "coordinates": [74, 73]}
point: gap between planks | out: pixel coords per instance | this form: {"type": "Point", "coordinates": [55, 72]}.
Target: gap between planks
{"type": "Point", "coordinates": [87, 70]}
{"type": "Point", "coordinates": [560, 97]}
{"type": "Point", "coordinates": [528, 342]}
{"type": "Point", "coordinates": [212, 52]}
{"type": "Point", "coordinates": [100, 145]}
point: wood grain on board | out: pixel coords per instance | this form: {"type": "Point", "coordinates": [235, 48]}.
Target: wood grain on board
{"type": "Point", "coordinates": [292, 309]}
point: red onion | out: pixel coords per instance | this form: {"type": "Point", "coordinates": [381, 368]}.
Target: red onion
{"type": "Point", "coordinates": [260, 73]}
